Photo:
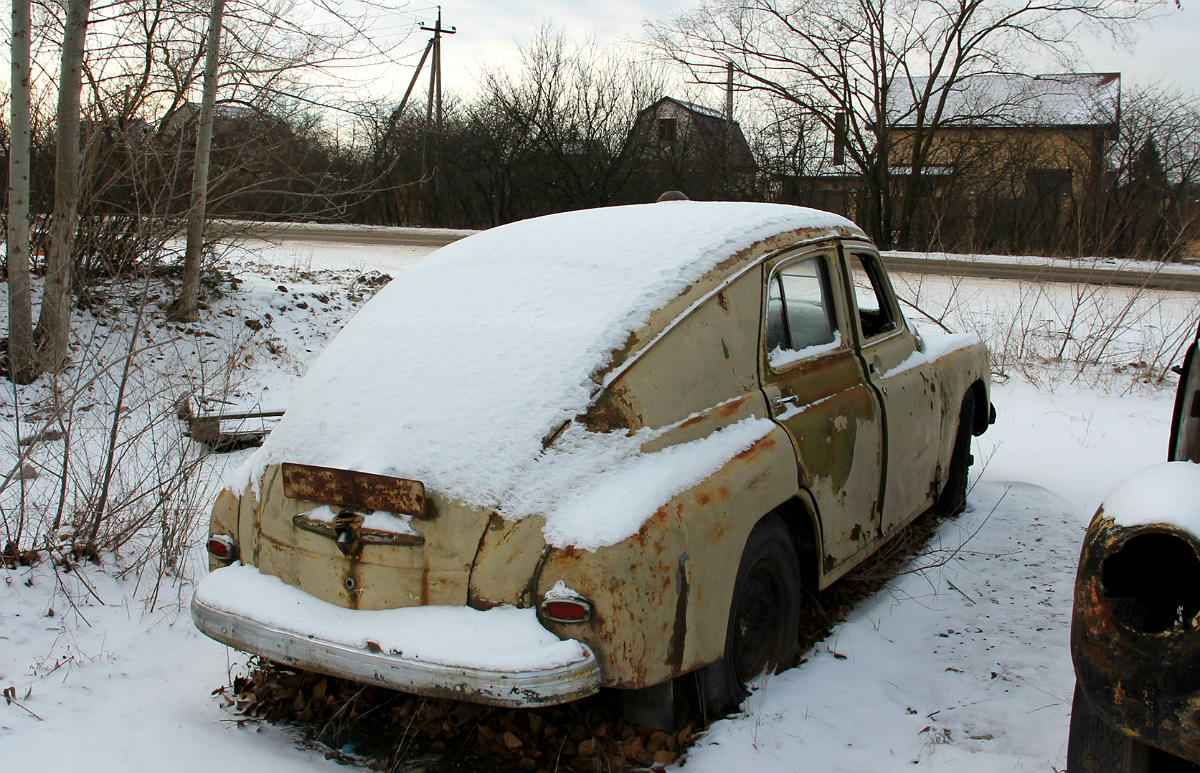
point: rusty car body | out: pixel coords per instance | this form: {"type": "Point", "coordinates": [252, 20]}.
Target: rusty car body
{"type": "Point", "coordinates": [1135, 630]}
{"type": "Point", "coordinates": [860, 426]}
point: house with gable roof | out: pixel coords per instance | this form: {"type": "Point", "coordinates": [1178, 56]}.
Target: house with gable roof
{"type": "Point", "coordinates": [1012, 160]}
{"type": "Point", "coordinates": [692, 148]}
{"type": "Point", "coordinates": [1023, 153]}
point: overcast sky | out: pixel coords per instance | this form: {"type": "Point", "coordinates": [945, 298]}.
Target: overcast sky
{"type": "Point", "coordinates": [489, 32]}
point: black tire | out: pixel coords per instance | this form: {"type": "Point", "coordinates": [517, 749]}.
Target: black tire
{"type": "Point", "coordinates": [764, 618]}
{"type": "Point", "coordinates": [953, 497]}
{"type": "Point", "coordinates": [1094, 746]}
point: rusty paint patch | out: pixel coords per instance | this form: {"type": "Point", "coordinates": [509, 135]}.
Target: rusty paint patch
{"type": "Point", "coordinates": [350, 488]}
{"type": "Point", "coordinates": [656, 521]}
{"type": "Point", "coordinates": [731, 408]}
{"type": "Point", "coordinates": [692, 421]}
{"type": "Point", "coordinates": [760, 445]}
{"type": "Point", "coordinates": [612, 411]}
{"type": "Point", "coordinates": [722, 301]}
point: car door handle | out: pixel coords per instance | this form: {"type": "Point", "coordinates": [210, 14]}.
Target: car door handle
{"type": "Point", "coordinates": [783, 402]}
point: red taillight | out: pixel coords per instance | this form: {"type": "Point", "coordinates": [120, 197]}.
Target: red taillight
{"type": "Point", "coordinates": [222, 547]}
{"type": "Point", "coordinates": [567, 610]}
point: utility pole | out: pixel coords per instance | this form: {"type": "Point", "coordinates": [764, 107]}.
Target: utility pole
{"type": "Point", "coordinates": [435, 96]}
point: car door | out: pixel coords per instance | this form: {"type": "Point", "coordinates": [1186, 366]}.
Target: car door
{"type": "Point", "coordinates": [815, 386]}
{"type": "Point", "coordinates": [901, 378]}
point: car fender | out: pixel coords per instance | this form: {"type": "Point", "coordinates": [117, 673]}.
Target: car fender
{"type": "Point", "coordinates": [661, 598]}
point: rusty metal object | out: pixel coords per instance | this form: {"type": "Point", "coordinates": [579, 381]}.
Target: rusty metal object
{"type": "Point", "coordinates": [1145, 684]}
{"type": "Point", "coordinates": [207, 429]}
{"type": "Point", "coordinates": [354, 489]}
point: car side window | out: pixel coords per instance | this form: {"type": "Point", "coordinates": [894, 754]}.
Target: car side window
{"type": "Point", "coordinates": [874, 313]}
{"type": "Point", "coordinates": [800, 320]}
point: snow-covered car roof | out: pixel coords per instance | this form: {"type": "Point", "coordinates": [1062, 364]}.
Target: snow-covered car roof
{"type": "Point", "coordinates": [456, 371]}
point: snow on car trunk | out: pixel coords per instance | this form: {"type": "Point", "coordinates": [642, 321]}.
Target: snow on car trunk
{"type": "Point", "coordinates": [455, 373]}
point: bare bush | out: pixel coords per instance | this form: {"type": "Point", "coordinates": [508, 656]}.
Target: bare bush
{"type": "Point", "coordinates": [1106, 336]}
{"type": "Point", "coordinates": [100, 462]}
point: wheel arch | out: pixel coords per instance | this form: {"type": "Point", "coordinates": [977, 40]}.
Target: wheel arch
{"type": "Point", "coordinates": [983, 407]}
{"type": "Point", "coordinates": [799, 515]}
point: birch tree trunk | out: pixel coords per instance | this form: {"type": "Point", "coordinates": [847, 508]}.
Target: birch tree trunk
{"type": "Point", "coordinates": [22, 356]}
{"type": "Point", "coordinates": [189, 291]}
{"type": "Point", "coordinates": [54, 321]}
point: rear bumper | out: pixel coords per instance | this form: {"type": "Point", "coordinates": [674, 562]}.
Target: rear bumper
{"type": "Point", "coordinates": [520, 688]}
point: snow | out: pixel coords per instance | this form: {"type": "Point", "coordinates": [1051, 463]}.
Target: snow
{"type": "Point", "coordinates": [379, 520]}
{"type": "Point", "coordinates": [560, 592]}
{"type": "Point", "coordinates": [1013, 99]}
{"type": "Point", "coordinates": [593, 495]}
{"type": "Point", "coordinates": [125, 685]}
{"type": "Point", "coordinates": [779, 357]}
{"type": "Point", "coordinates": [1098, 264]}
{"type": "Point", "coordinates": [934, 345]}
{"type": "Point", "coordinates": [455, 374]}
{"type": "Point", "coordinates": [960, 665]}
{"type": "Point", "coordinates": [500, 639]}
{"type": "Point", "coordinates": [793, 409]}
{"type": "Point", "coordinates": [1167, 493]}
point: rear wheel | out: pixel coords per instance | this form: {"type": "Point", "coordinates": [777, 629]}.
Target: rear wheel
{"type": "Point", "coordinates": [764, 617]}
{"type": "Point", "coordinates": [953, 498]}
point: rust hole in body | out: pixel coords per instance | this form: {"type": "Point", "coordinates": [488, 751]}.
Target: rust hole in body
{"type": "Point", "coordinates": [1153, 583]}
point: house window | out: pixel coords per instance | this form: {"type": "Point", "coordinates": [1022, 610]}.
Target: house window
{"type": "Point", "coordinates": [1048, 184]}
{"type": "Point", "coordinates": [666, 129]}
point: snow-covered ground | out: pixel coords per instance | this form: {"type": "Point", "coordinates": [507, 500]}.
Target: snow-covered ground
{"type": "Point", "coordinates": [961, 663]}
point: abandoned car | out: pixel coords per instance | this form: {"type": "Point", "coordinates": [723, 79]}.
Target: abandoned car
{"type": "Point", "coordinates": [1135, 630]}
{"type": "Point", "coordinates": [603, 448]}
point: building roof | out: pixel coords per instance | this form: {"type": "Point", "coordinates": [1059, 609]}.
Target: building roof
{"type": "Point", "coordinates": [711, 125]}
{"type": "Point", "coordinates": [1004, 99]}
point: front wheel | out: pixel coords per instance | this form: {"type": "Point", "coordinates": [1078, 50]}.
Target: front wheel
{"type": "Point", "coordinates": [764, 617]}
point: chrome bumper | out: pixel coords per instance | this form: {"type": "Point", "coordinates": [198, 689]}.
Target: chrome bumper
{"type": "Point", "coordinates": [517, 689]}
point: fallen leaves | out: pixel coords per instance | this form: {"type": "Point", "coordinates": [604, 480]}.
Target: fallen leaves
{"type": "Point", "coordinates": [391, 728]}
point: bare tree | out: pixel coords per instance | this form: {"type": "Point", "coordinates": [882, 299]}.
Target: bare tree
{"type": "Point", "coordinates": [53, 330]}
{"type": "Point", "coordinates": [860, 67]}
{"type": "Point", "coordinates": [22, 356]}
{"type": "Point", "coordinates": [575, 108]}
{"type": "Point", "coordinates": [1149, 208]}
{"type": "Point", "coordinates": [185, 306]}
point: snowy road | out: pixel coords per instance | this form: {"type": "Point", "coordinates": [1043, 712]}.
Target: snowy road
{"type": "Point", "coordinates": [1029, 269]}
